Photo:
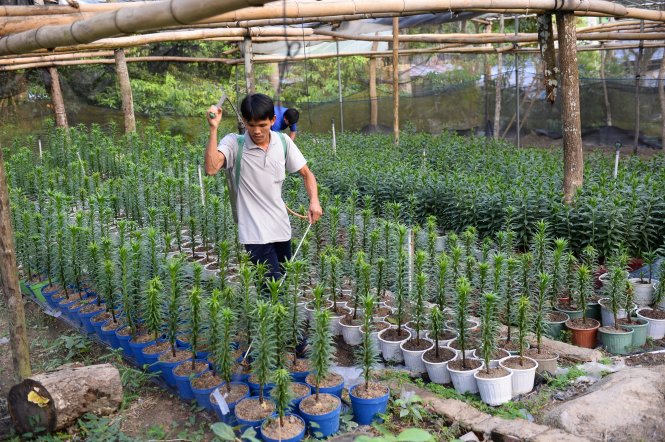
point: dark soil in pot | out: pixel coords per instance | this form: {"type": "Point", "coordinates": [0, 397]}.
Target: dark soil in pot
{"type": "Point", "coordinates": [556, 317]}
{"type": "Point", "coordinates": [299, 366]}
{"type": "Point", "coordinates": [112, 325]}
{"type": "Point", "coordinates": [274, 429]}
{"type": "Point", "coordinates": [142, 338]}
{"type": "Point", "coordinates": [445, 335]}
{"type": "Point", "coordinates": [383, 311]}
{"type": "Point", "coordinates": [374, 390]}
{"type": "Point", "coordinates": [445, 354]}
{"type": "Point", "coordinates": [496, 354]}
{"type": "Point", "coordinates": [471, 343]}
{"type": "Point", "coordinates": [180, 355]}
{"type": "Point", "coordinates": [493, 373]}
{"type": "Point", "coordinates": [207, 380]}
{"type": "Point", "coordinates": [612, 329]}
{"type": "Point", "coordinates": [160, 347]}
{"type": "Point", "coordinates": [92, 308]}
{"type": "Point", "coordinates": [514, 363]}
{"type": "Point", "coordinates": [416, 344]}
{"type": "Point", "coordinates": [186, 368]}
{"type": "Point", "coordinates": [392, 335]}
{"type": "Point", "coordinates": [298, 390]}
{"type": "Point", "coordinates": [348, 320]}
{"type": "Point", "coordinates": [582, 324]}
{"type": "Point", "coordinates": [101, 317]}
{"type": "Point", "coordinates": [325, 404]}
{"type": "Point", "coordinates": [652, 313]}
{"type": "Point", "coordinates": [238, 391]}
{"type": "Point", "coordinates": [252, 410]}
{"type": "Point", "coordinates": [544, 354]}
{"type": "Point", "coordinates": [332, 380]}
{"type": "Point", "coordinates": [471, 364]}
{"type": "Point", "coordinates": [631, 321]}
{"type": "Point", "coordinates": [339, 311]}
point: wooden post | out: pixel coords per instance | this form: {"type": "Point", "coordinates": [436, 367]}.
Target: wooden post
{"type": "Point", "coordinates": [638, 84]}
{"type": "Point", "coordinates": [661, 95]}
{"type": "Point", "coordinates": [396, 79]}
{"type": "Point", "coordinates": [608, 111]}
{"type": "Point", "coordinates": [486, 85]}
{"type": "Point", "coordinates": [339, 88]}
{"type": "Point", "coordinates": [9, 285]}
{"type": "Point", "coordinates": [517, 85]}
{"type": "Point", "coordinates": [498, 83]}
{"type": "Point", "coordinates": [373, 102]}
{"type": "Point", "coordinates": [573, 156]}
{"type": "Point", "coordinates": [548, 54]}
{"type": "Point", "coordinates": [125, 90]}
{"type": "Point", "coordinates": [56, 97]}
{"type": "Point", "coordinates": [249, 67]}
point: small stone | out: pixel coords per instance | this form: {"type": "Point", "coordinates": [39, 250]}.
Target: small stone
{"type": "Point", "coordinates": [4, 341]}
{"type": "Point", "coordinates": [470, 437]}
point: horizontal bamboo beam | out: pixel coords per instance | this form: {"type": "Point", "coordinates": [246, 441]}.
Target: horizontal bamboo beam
{"type": "Point", "coordinates": [147, 59]}
{"type": "Point", "coordinates": [20, 11]}
{"type": "Point", "coordinates": [122, 21]}
{"type": "Point", "coordinates": [54, 57]}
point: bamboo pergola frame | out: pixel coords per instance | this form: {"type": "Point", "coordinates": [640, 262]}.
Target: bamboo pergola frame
{"type": "Point", "coordinates": [51, 36]}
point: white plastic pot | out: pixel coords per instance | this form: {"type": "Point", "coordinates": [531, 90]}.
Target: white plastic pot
{"type": "Point", "coordinates": [522, 379]}
{"type": "Point", "coordinates": [351, 333]}
{"type": "Point", "coordinates": [495, 391]}
{"type": "Point", "coordinates": [606, 315]}
{"type": "Point", "coordinates": [437, 371]}
{"type": "Point", "coordinates": [390, 350]}
{"type": "Point", "coordinates": [442, 342]}
{"type": "Point", "coordinates": [423, 330]}
{"type": "Point", "coordinates": [335, 326]}
{"type": "Point", "coordinates": [309, 309]}
{"type": "Point", "coordinates": [656, 327]}
{"type": "Point", "coordinates": [464, 381]}
{"type": "Point", "coordinates": [642, 293]}
{"type": "Point", "coordinates": [493, 362]}
{"type": "Point", "coordinates": [413, 358]}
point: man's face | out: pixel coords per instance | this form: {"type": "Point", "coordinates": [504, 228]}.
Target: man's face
{"type": "Point", "coordinates": [259, 130]}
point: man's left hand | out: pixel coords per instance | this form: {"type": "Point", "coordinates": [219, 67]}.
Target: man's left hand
{"type": "Point", "coordinates": [315, 212]}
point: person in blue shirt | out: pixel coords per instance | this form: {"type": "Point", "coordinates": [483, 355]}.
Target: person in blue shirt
{"type": "Point", "coordinates": [286, 117]}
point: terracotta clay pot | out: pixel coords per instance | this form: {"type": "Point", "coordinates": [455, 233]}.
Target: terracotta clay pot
{"type": "Point", "coordinates": [584, 337]}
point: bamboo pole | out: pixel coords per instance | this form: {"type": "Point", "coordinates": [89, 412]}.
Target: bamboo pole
{"type": "Point", "coordinates": [396, 80]}
{"type": "Point", "coordinates": [19, 11]}
{"type": "Point", "coordinates": [55, 57]}
{"type": "Point", "coordinates": [148, 59]}
{"type": "Point", "coordinates": [125, 90]}
{"type": "Point", "coordinates": [249, 67]}
{"type": "Point", "coordinates": [339, 88]}
{"type": "Point", "coordinates": [498, 83]}
{"type": "Point", "coordinates": [373, 101]}
{"type": "Point", "coordinates": [573, 157]}
{"type": "Point", "coordinates": [9, 285]}
{"type": "Point", "coordinates": [606, 97]}
{"type": "Point", "coordinates": [122, 21]}
{"type": "Point", "coordinates": [56, 98]}
{"type": "Point", "coordinates": [487, 75]}
{"type": "Point", "coordinates": [638, 83]}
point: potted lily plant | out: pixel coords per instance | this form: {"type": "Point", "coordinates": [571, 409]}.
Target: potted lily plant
{"type": "Point", "coordinates": [522, 367]}
{"type": "Point", "coordinates": [494, 383]}
{"type": "Point", "coordinates": [285, 427]}
{"type": "Point", "coordinates": [413, 349]}
{"type": "Point", "coordinates": [615, 338]}
{"type": "Point", "coordinates": [390, 339]}
{"type": "Point", "coordinates": [547, 361]}
{"type": "Point", "coordinates": [643, 287]}
{"type": "Point", "coordinates": [584, 330]}
{"type": "Point", "coordinates": [436, 358]}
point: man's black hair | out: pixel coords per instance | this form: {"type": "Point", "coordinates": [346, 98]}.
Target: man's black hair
{"type": "Point", "coordinates": [257, 107]}
{"type": "Point", "coordinates": [292, 115]}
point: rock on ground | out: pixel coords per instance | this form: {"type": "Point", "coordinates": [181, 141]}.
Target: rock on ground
{"type": "Point", "coordinates": [624, 406]}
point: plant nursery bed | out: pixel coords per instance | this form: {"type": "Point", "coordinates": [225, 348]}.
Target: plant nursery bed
{"type": "Point", "coordinates": [646, 359]}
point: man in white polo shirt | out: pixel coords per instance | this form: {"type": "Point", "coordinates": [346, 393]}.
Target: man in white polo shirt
{"type": "Point", "coordinates": [263, 222]}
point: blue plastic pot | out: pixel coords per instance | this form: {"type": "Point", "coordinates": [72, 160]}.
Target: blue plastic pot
{"type": "Point", "coordinates": [240, 377]}
{"type": "Point", "coordinates": [293, 405]}
{"type": "Point", "coordinates": [297, 438]}
{"type": "Point", "coordinates": [136, 350]}
{"type": "Point", "coordinates": [230, 417]}
{"type": "Point", "coordinates": [48, 295]}
{"type": "Point", "coordinates": [123, 340]}
{"type": "Point", "coordinates": [85, 319]}
{"type": "Point", "coordinates": [151, 359]}
{"type": "Point", "coordinates": [73, 313]}
{"type": "Point", "coordinates": [256, 387]}
{"type": "Point", "coordinates": [63, 306]}
{"type": "Point", "coordinates": [299, 376]}
{"type": "Point", "coordinates": [365, 411]}
{"type": "Point", "coordinates": [109, 335]}
{"type": "Point", "coordinates": [334, 390]}
{"type": "Point", "coordinates": [97, 326]}
{"type": "Point", "coordinates": [244, 424]}
{"type": "Point", "coordinates": [202, 395]}
{"type": "Point", "coordinates": [182, 382]}
{"type": "Point", "coordinates": [327, 423]}
{"type": "Point", "coordinates": [166, 368]}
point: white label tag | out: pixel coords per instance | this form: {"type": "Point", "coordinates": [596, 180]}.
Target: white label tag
{"type": "Point", "coordinates": [221, 402]}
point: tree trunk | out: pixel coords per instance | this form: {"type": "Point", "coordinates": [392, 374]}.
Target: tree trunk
{"type": "Point", "coordinates": [396, 79]}
{"type": "Point", "coordinates": [249, 66]}
{"type": "Point", "coordinates": [546, 43]}
{"type": "Point", "coordinates": [486, 85]}
{"type": "Point", "coordinates": [606, 97]}
{"type": "Point", "coordinates": [373, 103]}
{"type": "Point", "coordinates": [573, 156]}
{"type": "Point", "coordinates": [56, 97]}
{"type": "Point", "coordinates": [661, 94]}
{"type": "Point", "coordinates": [497, 88]}
{"type": "Point", "coordinates": [125, 90]}
{"type": "Point", "coordinates": [9, 285]}
{"type": "Point", "coordinates": [64, 395]}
